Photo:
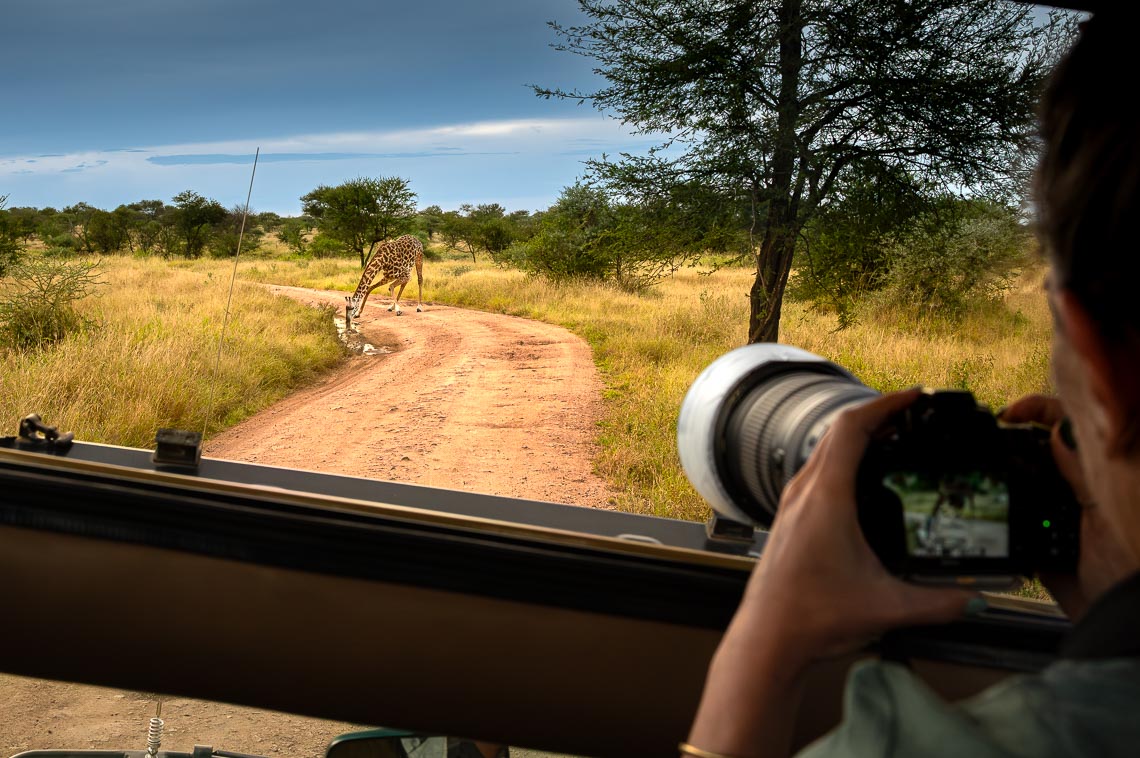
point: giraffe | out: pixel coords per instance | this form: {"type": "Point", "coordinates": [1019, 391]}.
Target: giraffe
{"type": "Point", "coordinates": [394, 261]}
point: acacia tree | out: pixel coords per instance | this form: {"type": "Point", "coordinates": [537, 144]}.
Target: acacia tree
{"type": "Point", "coordinates": [194, 217]}
{"type": "Point", "coordinates": [362, 212]}
{"type": "Point", "coordinates": [772, 101]}
{"type": "Point", "coordinates": [430, 219]}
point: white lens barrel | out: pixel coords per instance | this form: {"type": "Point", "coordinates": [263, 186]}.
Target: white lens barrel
{"type": "Point", "coordinates": [701, 424]}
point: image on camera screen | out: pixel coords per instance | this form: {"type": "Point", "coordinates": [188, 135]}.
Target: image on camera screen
{"type": "Point", "coordinates": [963, 514]}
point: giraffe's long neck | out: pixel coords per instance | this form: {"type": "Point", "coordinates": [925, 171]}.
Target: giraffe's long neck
{"type": "Point", "coordinates": [367, 277]}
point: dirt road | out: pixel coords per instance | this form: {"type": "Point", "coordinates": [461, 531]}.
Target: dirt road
{"type": "Point", "coordinates": [454, 398]}
{"type": "Point", "coordinates": [446, 398]}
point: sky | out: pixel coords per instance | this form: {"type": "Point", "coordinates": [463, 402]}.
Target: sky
{"type": "Point", "coordinates": [113, 101]}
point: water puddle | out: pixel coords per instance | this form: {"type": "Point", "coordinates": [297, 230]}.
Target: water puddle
{"type": "Point", "coordinates": [354, 341]}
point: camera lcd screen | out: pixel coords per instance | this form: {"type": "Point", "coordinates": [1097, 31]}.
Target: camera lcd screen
{"type": "Point", "coordinates": [957, 514]}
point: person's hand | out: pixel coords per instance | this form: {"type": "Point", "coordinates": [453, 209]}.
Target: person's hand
{"type": "Point", "coordinates": [818, 589]}
{"type": "Point", "coordinates": [1102, 561]}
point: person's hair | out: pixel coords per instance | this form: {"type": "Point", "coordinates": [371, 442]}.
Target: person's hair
{"type": "Point", "coordinates": [1088, 181]}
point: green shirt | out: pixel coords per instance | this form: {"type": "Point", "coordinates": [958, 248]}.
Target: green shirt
{"type": "Point", "coordinates": [1073, 708]}
{"type": "Point", "coordinates": [1085, 704]}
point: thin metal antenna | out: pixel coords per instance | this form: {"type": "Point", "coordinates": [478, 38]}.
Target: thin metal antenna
{"type": "Point", "coordinates": [230, 299]}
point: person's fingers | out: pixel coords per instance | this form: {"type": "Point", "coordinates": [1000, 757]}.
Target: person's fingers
{"type": "Point", "coordinates": [1041, 409]}
{"type": "Point", "coordinates": [852, 432]}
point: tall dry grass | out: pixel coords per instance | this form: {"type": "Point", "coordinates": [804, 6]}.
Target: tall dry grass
{"type": "Point", "coordinates": [150, 363]}
{"type": "Point", "coordinates": [650, 347]}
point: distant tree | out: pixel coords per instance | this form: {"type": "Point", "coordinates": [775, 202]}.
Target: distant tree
{"type": "Point", "coordinates": [324, 246]}
{"type": "Point", "coordinates": [193, 219]}
{"type": "Point", "coordinates": [127, 221]}
{"type": "Point", "coordinates": [773, 101]}
{"type": "Point", "coordinates": [78, 218]}
{"type": "Point", "coordinates": [150, 209]}
{"type": "Point", "coordinates": [523, 224]}
{"type": "Point", "coordinates": [53, 227]}
{"type": "Point", "coordinates": [106, 232]}
{"type": "Point", "coordinates": [430, 219]}
{"type": "Point", "coordinates": [236, 230]}
{"type": "Point", "coordinates": [147, 228]}
{"type": "Point", "coordinates": [458, 230]}
{"type": "Point", "coordinates": [292, 233]}
{"type": "Point", "coordinates": [268, 221]}
{"type": "Point", "coordinates": [362, 212]}
{"type": "Point", "coordinates": [10, 245]}
{"type": "Point", "coordinates": [491, 230]}
{"type": "Point", "coordinates": [25, 222]}
{"type": "Point", "coordinates": [481, 228]}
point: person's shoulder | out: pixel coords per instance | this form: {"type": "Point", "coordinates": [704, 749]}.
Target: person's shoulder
{"type": "Point", "coordinates": [1070, 709]}
{"type": "Point", "coordinates": [1077, 707]}
{"type": "Point", "coordinates": [888, 712]}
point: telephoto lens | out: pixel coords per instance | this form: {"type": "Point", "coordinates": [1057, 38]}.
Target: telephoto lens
{"type": "Point", "coordinates": [752, 418]}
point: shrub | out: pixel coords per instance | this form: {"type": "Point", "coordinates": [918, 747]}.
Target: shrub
{"type": "Point", "coordinates": [291, 232]}
{"type": "Point", "coordinates": [945, 268]}
{"type": "Point", "coordinates": [37, 304]}
{"type": "Point", "coordinates": [844, 252]}
{"type": "Point", "coordinates": [63, 244]}
{"type": "Point", "coordinates": [324, 246]}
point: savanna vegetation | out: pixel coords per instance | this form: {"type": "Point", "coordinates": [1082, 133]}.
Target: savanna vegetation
{"type": "Point", "coordinates": [901, 289]}
{"type": "Point", "coordinates": [871, 212]}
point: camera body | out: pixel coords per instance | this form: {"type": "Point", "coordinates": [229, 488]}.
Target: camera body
{"type": "Point", "coordinates": [945, 493]}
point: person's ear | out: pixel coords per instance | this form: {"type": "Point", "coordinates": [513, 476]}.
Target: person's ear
{"type": "Point", "coordinates": [1109, 371]}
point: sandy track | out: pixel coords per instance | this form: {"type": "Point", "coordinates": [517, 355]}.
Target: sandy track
{"type": "Point", "coordinates": [464, 400]}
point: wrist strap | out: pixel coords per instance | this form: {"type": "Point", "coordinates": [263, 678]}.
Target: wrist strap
{"type": "Point", "coordinates": [696, 752]}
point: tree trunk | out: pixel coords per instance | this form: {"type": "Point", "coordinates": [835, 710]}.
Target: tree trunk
{"type": "Point", "coordinates": [774, 259]}
{"type": "Point", "coordinates": [773, 264]}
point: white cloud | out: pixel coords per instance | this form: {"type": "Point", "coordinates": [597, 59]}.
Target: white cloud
{"type": "Point", "coordinates": [521, 158]}
{"type": "Point", "coordinates": [512, 136]}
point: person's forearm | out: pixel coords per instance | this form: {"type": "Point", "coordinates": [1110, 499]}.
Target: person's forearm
{"type": "Point", "coordinates": [744, 713]}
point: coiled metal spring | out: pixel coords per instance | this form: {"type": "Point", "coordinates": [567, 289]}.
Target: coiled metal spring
{"type": "Point", "coordinates": [154, 736]}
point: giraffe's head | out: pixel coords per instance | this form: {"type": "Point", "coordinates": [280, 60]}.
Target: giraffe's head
{"type": "Point", "coordinates": [352, 307]}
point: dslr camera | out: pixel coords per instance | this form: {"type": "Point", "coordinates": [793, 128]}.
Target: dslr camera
{"type": "Point", "coordinates": [946, 494]}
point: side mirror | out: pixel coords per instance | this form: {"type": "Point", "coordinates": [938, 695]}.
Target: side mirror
{"type": "Point", "coordinates": [386, 743]}
{"type": "Point", "coordinates": [395, 743]}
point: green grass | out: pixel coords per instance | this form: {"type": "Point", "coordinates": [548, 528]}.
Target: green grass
{"type": "Point", "coordinates": [150, 361]}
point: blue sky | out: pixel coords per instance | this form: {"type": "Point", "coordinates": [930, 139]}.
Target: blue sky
{"type": "Point", "coordinates": [112, 101]}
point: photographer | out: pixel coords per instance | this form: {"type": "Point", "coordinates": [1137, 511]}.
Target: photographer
{"type": "Point", "coordinates": [820, 591]}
